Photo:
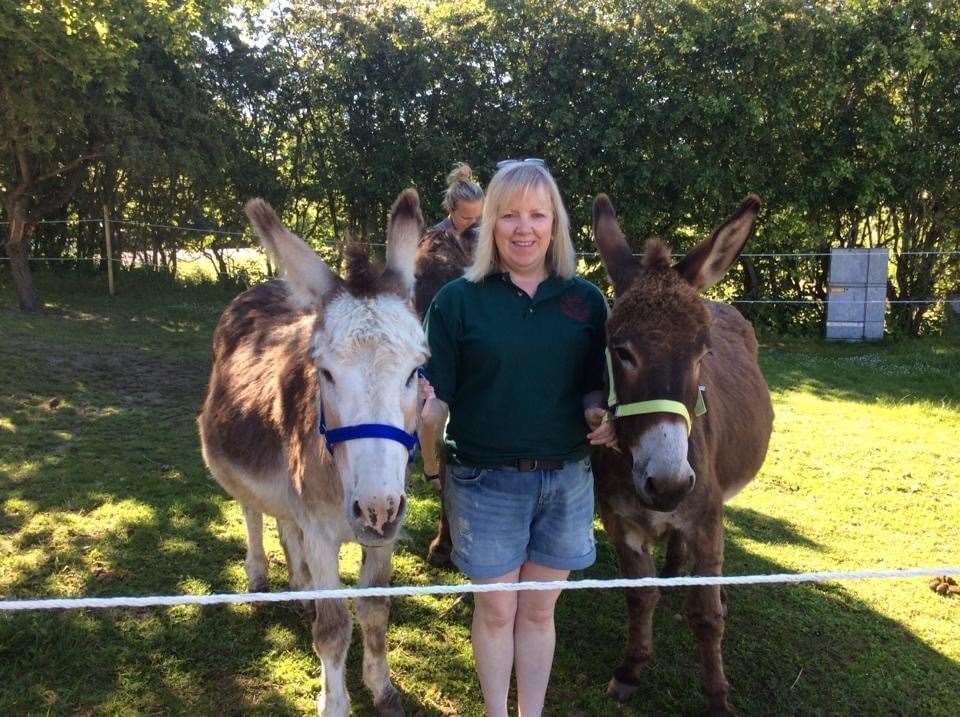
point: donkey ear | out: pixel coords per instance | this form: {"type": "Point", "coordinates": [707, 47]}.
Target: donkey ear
{"type": "Point", "coordinates": [706, 264]}
{"type": "Point", "coordinates": [622, 266]}
{"type": "Point", "coordinates": [403, 232]}
{"type": "Point", "coordinates": [309, 278]}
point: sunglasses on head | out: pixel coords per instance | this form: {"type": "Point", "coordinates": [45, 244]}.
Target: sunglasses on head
{"type": "Point", "coordinates": [532, 160]}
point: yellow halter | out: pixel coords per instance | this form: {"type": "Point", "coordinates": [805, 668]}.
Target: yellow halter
{"type": "Point", "coordinates": [659, 405]}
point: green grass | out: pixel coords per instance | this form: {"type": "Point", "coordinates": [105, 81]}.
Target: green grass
{"type": "Point", "coordinates": [102, 492]}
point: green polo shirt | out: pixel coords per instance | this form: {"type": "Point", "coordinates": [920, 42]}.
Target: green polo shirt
{"type": "Point", "coordinates": [514, 370]}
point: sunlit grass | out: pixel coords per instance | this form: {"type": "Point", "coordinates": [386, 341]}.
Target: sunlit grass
{"type": "Point", "coordinates": [102, 492]}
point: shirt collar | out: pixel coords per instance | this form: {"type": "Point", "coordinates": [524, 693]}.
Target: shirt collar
{"type": "Point", "coordinates": [550, 287]}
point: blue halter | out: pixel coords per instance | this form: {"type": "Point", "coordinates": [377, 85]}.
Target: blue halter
{"type": "Point", "coordinates": [334, 436]}
{"type": "Point", "coordinates": [370, 430]}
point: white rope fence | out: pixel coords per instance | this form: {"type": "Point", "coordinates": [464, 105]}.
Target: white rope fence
{"type": "Point", "coordinates": [416, 590]}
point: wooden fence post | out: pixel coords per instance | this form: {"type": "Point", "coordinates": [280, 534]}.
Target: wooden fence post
{"type": "Point", "coordinates": [106, 233]}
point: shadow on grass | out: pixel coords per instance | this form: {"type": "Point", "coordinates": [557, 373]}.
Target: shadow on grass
{"type": "Point", "coordinates": [143, 662]}
{"type": "Point", "coordinates": [764, 528]}
{"type": "Point", "coordinates": [908, 371]}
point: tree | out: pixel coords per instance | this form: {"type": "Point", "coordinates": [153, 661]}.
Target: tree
{"type": "Point", "coordinates": [63, 69]}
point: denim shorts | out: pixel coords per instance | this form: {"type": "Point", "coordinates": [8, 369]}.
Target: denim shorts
{"type": "Point", "coordinates": [501, 517]}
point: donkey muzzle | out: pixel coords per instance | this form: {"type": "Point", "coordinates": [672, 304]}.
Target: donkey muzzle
{"type": "Point", "coordinates": [376, 520]}
{"type": "Point", "coordinates": [663, 490]}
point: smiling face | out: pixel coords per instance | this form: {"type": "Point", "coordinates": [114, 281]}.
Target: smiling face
{"type": "Point", "coordinates": [523, 231]}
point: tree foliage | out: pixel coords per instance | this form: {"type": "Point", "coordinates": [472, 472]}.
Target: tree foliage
{"type": "Point", "coordinates": [844, 117]}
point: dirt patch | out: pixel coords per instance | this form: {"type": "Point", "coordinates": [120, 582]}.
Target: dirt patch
{"type": "Point", "coordinates": [131, 375]}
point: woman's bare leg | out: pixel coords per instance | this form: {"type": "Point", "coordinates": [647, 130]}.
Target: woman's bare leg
{"type": "Point", "coordinates": [534, 638]}
{"type": "Point", "coordinates": [493, 643]}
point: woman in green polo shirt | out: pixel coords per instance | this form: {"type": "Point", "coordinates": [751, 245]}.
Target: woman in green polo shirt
{"type": "Point", "coordinates": [517, 358]}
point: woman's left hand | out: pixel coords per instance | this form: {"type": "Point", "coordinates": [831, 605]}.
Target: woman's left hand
{"type": "Point", "coordinates": [602, 432]}
{"type": "Point", "coordinates": [424, 391]}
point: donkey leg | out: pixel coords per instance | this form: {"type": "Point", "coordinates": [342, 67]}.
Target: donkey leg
{"type": "Point", "coordinates": [442, 545]}
{"type": "Point", "coordinates": [256, 562]}
{"type": "Point", "coordinates": [332, 624]}
{"type": "Point", "coordinates": [641, 603]}
{"type": "Point", "coordinates": [705, 614]}
{"type": "Point", "coordinates": [291, 538]}
{"type": "Point", "coordinates": [374, 616]}
{"type": "Point", "coordinates": [676, 559]}
{"type": "Point", "coordinates": [433, 418]}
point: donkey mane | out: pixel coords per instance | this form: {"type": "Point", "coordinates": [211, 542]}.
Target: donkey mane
{"type": "Point", "coordinates": [656, 255]}
{"type": "Point", "coordinates": [365, 278]}
{"type": "Point", "coordinates": [659, 299]}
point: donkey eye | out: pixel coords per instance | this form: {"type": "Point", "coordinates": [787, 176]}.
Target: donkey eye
{"type": "Point", "coordinates": [411, 377]}
{"type": "Point", "coordinates": [326, 375]}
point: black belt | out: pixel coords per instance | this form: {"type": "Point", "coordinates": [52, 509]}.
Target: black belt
{"type": "Point", "coordinates": [526, 465]}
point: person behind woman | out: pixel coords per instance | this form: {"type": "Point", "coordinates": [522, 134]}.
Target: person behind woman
{"type": "Point", "coordinates": [517, 357]}
{"type": "Point", "coordinates": [444, 252]}
{"type": "Point", "coordinates": [463, 202]}
{"type": "Point", "coordinates": [446, 248]}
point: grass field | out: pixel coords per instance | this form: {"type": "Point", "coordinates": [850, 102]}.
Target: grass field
{"type": "Point", "coordinates": [102, 492]}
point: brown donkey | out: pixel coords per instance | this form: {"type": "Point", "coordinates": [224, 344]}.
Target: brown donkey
{"type": "Point", "coordinates": [671, 354]}
{"type": "Point", "coordinates": [309, 417]}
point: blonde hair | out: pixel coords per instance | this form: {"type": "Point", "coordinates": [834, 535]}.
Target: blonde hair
{"type": "Point", "coordinates": [461, 187]}
{"type": "Point", "coordinates": [561, 258]}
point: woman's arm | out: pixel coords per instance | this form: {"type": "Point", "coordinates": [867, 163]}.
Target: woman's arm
{"type": "Point", "coordinates": [599, 420]}
{"type": "Point", "coordinates": [433, 418]}
{"type": "Point", "coordinates": [440, 378]}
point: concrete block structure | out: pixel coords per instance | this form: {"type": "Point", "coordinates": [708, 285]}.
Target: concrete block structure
{"type": "Point", "coordinates": [856, 302]}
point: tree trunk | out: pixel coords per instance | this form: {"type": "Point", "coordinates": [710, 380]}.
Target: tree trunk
{"type": "Point", "coordinates": [751, 279]}
{"type": "Point", "coordinates": [18, 241]}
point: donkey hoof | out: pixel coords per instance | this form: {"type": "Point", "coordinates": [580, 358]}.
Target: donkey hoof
{"type": "Point", "coordinates": [389, 704]}
{"type": "Point", "coordinates": [620, 691]}
{"type": "Point", "coordinates": [719, 706]}
{"type": "Point", "coordinates": [439, 554]}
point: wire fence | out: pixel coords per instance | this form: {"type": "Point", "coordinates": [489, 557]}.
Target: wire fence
{"type": "Point", "coordinates": [207, 231]}
{"type": "Point", "coordinates": [798, 302]}
{"type": "Point", "coordinates": [231, 232]}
